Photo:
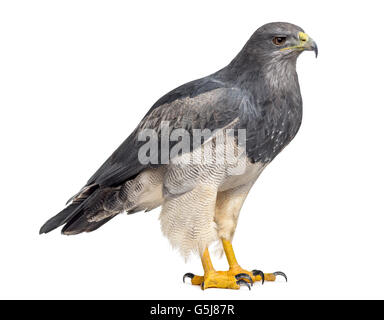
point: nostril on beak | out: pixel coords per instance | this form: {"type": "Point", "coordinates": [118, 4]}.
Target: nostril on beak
{"type": "Point", "coordinates": [303, 37]}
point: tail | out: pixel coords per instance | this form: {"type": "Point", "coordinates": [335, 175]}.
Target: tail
{"type": "Point", "coordinates": [93, 206]}
{"type": "Point", "coordinates": [88, 211]}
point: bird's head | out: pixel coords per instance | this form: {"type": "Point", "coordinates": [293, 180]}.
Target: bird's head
{"type": "Point", "coordinates": [279, 40]}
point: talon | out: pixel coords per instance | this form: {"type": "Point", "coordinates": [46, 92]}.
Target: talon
{"type": "Point", "coordinates": [259, 273]}
{"type": "Point", "coordinates": [244, 276]}
{"type": "Point", "coordinates": [241, 281]}
{"type": "Point", "coordinates": [202, 285]}
{"type": "Point", "coordinates": [189, 275]}
{"type": "Point", "coordinates": [279, 273]}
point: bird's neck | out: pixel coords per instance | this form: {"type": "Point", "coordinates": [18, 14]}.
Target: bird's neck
{"type": "Point", "coordinates": [273, 84]}
{"type": "Point", "coordinates": [251, 73]}
{"type": "Point", "coordinates": [277, 85]}
{"type": "Point", "coordinates": [279, 75]}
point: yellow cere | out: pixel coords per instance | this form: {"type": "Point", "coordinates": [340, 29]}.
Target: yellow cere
{"type": "Point", "coordinates": [303, 36]}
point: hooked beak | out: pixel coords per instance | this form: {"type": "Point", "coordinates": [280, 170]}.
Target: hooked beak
{"type": "Point", "coordinates": [307, 43]}
{"type": "Point", "coordinates": [304, 43]}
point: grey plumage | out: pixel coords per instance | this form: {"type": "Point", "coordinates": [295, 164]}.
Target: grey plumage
{"type": "Point", "coordinates": [258, 91]}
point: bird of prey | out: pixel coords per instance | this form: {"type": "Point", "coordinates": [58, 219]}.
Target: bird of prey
{"type": "Point", "coordinates": [256, 98]}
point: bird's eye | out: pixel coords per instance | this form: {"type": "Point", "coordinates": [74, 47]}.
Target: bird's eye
{"type": "Point", "coordinates": [279, 41]}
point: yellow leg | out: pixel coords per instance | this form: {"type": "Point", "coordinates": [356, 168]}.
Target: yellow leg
{"type": "Point", "coordinates": [230, 279]}
{"type": "Point", "coordinates": [206, 261]}
{"type": "Point", "coordinates": [235, 268]}
{"type": "Point", "coordinates": [213, 278]}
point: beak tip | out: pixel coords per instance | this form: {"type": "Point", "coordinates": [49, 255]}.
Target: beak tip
{"type": "Point", "coordinates": [315, 49]}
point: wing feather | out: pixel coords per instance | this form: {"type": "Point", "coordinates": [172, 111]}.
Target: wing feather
{"type": "Point", "coordinates": [201, 104]}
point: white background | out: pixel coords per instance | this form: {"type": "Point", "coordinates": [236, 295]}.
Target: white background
{"type": "Point", "coordinates": [77, 76]}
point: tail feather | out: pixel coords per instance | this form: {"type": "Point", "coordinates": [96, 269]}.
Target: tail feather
{"type": "Point", "coordinates": [81, 224]}
{"type": "Point", "coordinates": [95, 205]}
{"type": "Point", "coordinates": [87, 212]}
{"type": "Point", "coordinates": [61, 218]}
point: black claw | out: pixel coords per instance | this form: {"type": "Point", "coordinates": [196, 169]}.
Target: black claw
{"type": "Point", "coordinates": [244, 276]}
{"type": "Point", "coordinates": [259, 273]}
{"type": "Point", "coordinates": [241, 281]}
{"type": "Point", "coordinates": [202, 285]}
{"type": "Point", "coordinates": [279, 273]}
{"type": "Point", "coordinates": [189, 275]}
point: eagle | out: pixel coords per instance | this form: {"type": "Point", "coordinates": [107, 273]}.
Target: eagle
{"type": "Point", "coordinates": [199, 150]}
